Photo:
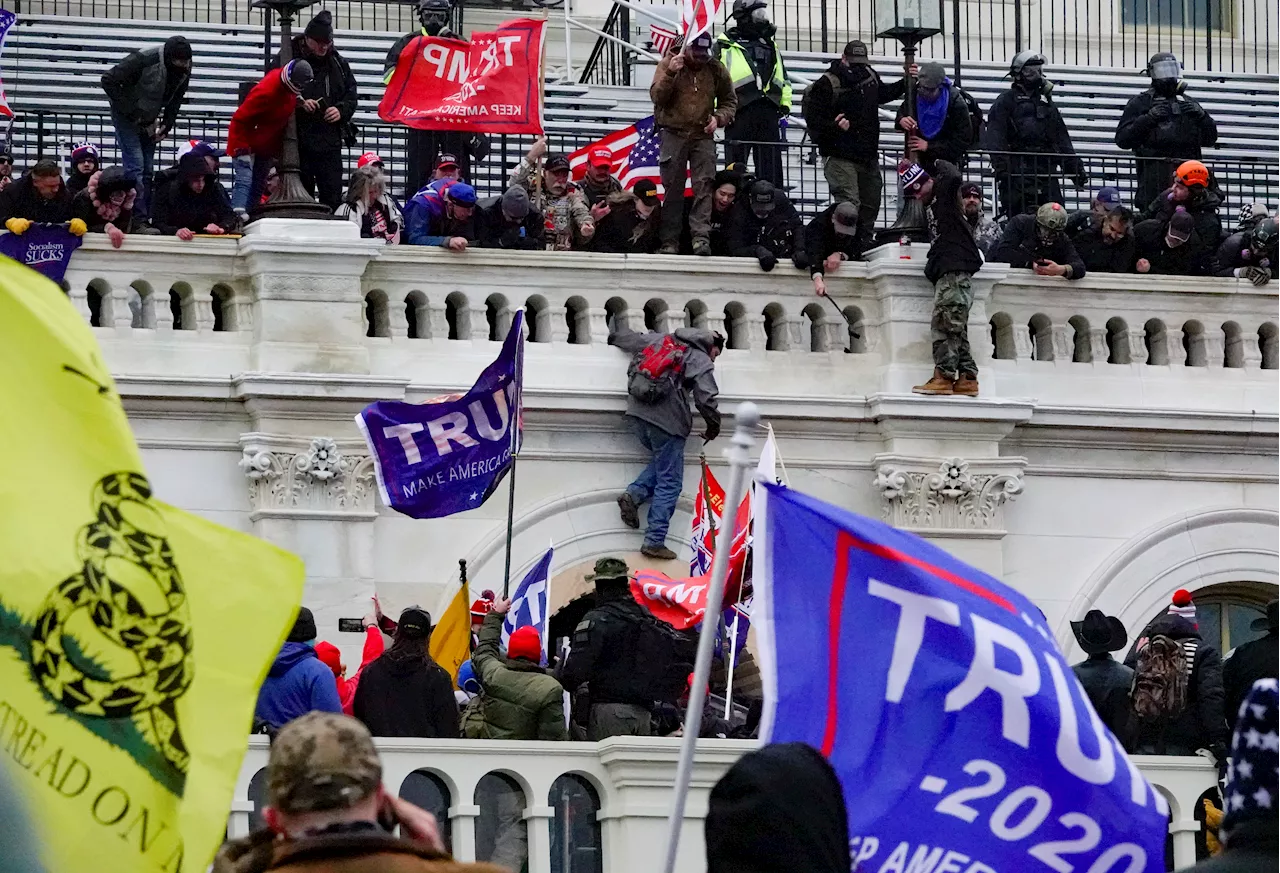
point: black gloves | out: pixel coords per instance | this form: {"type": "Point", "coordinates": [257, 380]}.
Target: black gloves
{"type": "Point", "coordinates": [1160, 110]}
{"type": "Point", "coordinates": [1080, 179]}
{"type": "Point", "coordinates": [713, 429]}
{"type": "Point", "coordinates": [766, 258]}
{"type": "Point", "coordinates": [1192, 110]}
{"type": "Point", "coordinates": [1257, 275]}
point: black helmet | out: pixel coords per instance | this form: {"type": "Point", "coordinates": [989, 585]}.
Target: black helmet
{"type": "Point", "coordinates": [1164, 65]}
{"type": "Point", "coordinates": [743, 8]}
{"type": "Point", "coordinates": [1025, 59]}
{"type": "Point", "coordinates": [434, 12]}
{"type": "Point", "coordinates": [1263, 236]}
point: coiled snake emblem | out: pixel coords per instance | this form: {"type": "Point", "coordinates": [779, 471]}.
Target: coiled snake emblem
{"type": "Point", "coordinates": [159, 642]}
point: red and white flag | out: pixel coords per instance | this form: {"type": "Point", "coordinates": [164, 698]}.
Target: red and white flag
{"type": "Point", "coordinates": [708, 509]}
{"type": "Point", "coordinates": [661, 38]}
{"type": "Point", "coordinates": [698, 16]}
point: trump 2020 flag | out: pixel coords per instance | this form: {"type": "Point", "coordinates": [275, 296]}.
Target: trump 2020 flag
{"type": "Point", "coordinates": [449, 454]}
{"type": "Point", "coordinates": [133, 635]}
{"type": "Point", "coordinates": [962, 738]}
{"type": "Point", "coordinates": [529, 603]}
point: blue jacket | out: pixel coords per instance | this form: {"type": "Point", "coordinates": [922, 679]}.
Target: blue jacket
{"type": "Point", "coordinates": [297, 683]}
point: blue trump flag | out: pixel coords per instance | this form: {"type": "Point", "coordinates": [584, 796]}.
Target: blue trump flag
{"type": "Point", "coordinates": [962, 739]}
{"type": "Point", "coordinates": [449, 454]}
{"type": "Point", "coordinates": [529, 603]}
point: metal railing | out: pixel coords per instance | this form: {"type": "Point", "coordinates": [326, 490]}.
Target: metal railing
{"type": "Point", "coordinates": [610, 63]}
{"type": "Point", "coordinates": [1214, 35]}
{"type": "Point", "coordinates": [1239, 180]}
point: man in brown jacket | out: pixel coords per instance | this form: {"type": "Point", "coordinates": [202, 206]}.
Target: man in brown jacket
{"type": "Point", "coordinates": [692, 97]}
{"type": "Point", "coordinates": [327, 810]}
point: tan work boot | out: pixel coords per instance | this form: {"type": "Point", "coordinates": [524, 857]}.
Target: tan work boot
{"type": "Point", "coordinates": [939, 385]}
{"type": "Point", "coordinates": [966, 385]}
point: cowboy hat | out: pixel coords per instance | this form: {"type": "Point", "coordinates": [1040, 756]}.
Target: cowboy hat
{"type": "Point", "coordinates": [1267, 622]}
{"type": "Point", "coordinates": [1099, 633]}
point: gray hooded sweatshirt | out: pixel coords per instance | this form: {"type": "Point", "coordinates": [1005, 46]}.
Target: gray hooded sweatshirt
{"type": "Point", "coordinates": [672, 413]}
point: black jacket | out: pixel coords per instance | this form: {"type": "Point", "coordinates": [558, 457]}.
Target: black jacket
{"type": "Point", "coordinates": [1192, 258]}
{"type": "Point", "coordinates": [175, 206]}
{"type": "Point", "coordinates": [22, 200]}
{"type": "Point", "coordinates": [1244, 666]}
{"type": "Point", "coordinates": [1234, 252]}
{"type": "Point", "coordinates": [1201, 725]}
{"type": "Point", "coordinates": [83, 206]}
{"type": "Point", "coordinates": [778, 808]}
{"type": "Point", "coordinates": [1107, 683]}
{"type": "Point", "coordinates": [1202, 204]}
{"type": "Point", "coordinates": [953, 140]}
{"type": "Point", "coordinates": [718, 236]}
{"type": "Point", "coordinates": [143, 88]}
{"type": "Point", "coordinates": [856, 92]}
{"type": "Point", "coordinates": [623, 231]}
{"type": "Point", "coordinates": [821, 241]}
{"type": "Point", "coordinates": [1251, 848]}
{"type": "Point", "coordinates": [781, 232]}
{"type": "Point", "coordinates": [497, 233]}
{"type": "Point", "coordinates": [406, 697]}
{"type": "Point", "coordinates": [954, 250]}
{"type": "Point", "coordinates": [1187, 129]}
{"type": "Point", "coordinates": [335, 84]}
{"type": "Point", "coordinates": [620, 651]}
{"type": "Point", "coordinates": [1020, 246]}
{"type": "Point", "coordinates": [1020, 121]}
{"type": "Point", "coordinates": [76, 180]}
{"type": "Point", "coordinates": [1099, 256]}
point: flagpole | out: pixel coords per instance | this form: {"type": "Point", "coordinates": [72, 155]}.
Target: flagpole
{"type": "Point", "coordinates": [517, 421]}
{"type": "Point", "coordinates": [733, 658]}
{"type": "Point", "coordinates": [746, 417]}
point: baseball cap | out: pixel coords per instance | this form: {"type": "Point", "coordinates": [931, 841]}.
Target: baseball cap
{"type": "Point", "coordinates": [320, 761]}
{"type": "Point", "coordinates": [200, 148]}
{"type": "Point", "coordinates": [556, 163]}
{"type": "Point", "coordinates": [970, 189]}
{"type": "Point", "coordinates": [415, 623]}
{"type": "Point", "coordinates": [461, 193]}
{"type": "Point", "coordinates": [446, 160]}
{"type": "Point", "coordinates": [856, 52]}
{"type": "Point", "coordinates": [931, 75]}
{"type": "Point", "coordinates": [701, 44]}
{"type": "Point", "coordinates": [647, 191]}
{"type": "Point", "coordinates": [515, 203]}
{"type": "Point", "coordinates": [1109, 197]}
{"type": "Point", "coordinates": [600, 157]}
{"type": "Point", "coordinates": [609, 568]}
{"type": "Point", "coordinates": [368, 158]}
{"type": "Point", "coordinates": [762, 197]}
{"type": "Point", "coordinates": [845, 219]}
{"type": "Point", "coordinates": [1180, 226]}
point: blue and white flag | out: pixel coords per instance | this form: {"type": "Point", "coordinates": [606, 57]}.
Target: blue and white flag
{"type": "Point", "coordinates": [7, 20]}
{"type": "Point", "coordinates": [962, 738]}
{"type": "Point", "coordinates": [529, 603]}
{"type": "Point", "coordinates": [449, 454]}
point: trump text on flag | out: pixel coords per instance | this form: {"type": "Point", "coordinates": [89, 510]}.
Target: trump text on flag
{"type": "Point", "coordinates": [962, 738]}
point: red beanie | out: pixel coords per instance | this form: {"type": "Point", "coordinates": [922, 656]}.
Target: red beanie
{"type": "Point", "coordinates": [330, 656]}
{"type": "Point", "coordinates": [1183, 605]}
{"type": "Point", "coordinates": [525, 643]}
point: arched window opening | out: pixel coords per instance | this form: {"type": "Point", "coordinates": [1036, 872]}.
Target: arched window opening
{"type": "Point", "coordinates": [576, 846]}
{"type": "Point", "coordinates": [502, 835]}
{"type": "Point", "coordinates": [428, 791]}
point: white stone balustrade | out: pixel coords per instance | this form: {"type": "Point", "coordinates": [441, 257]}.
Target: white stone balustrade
{"type": "Point", "coordinates": [323, 302]}
{"type": "Point", "coordinates": [632, 778]}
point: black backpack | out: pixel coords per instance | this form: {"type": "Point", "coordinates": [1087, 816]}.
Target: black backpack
{"type": "Point", "coordinates": [976, 123]}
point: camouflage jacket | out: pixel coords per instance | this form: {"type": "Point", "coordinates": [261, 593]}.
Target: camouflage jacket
{"type": "Point", "coordinates": [565, 216]}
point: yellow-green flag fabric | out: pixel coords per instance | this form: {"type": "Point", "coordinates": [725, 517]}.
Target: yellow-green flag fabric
{"type": "Point", "coordinates": [133, 636]}
{"type": "Point", "coordinates": [451, 639]}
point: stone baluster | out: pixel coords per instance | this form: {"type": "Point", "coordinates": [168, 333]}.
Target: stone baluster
{"type": "Point", "coordinates": [1137, 346]}
{"type": "Point", "coordinates": [633, 319]}
{"type": "Point", "coordinates": [1099, 351]}
{"type": "Point", "coordinates": [1173, 342]}
{"type": "Point", "coordinates": [593, 325]}
{"type": "Point", "coordinates": [797, 332]}
{"type": "Point", "coordinates": [397, 318]}
{"type": "Point", "coordinates": [203, 307]}
{"type": "Point", "coordinates": [756, 338]}
{"type": "Point", "coordinates": [477, 316]}
{"type": "Point", "coordinates": [437, 319]}
{"type": "Point", "coordinates": [1064, 347]}
{"type": "Point", "coordinates": [1214, 350]}
{"type": "Point", "coordinates": [1022, 346]}
{"type": "Point", "coordinates": [559, 324]}
{"type": "Point", "coordinates": [1251, 351]}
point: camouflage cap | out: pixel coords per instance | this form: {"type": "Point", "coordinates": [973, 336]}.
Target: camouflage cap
{"type": "Point", "coordinates": [321, 760]}
{"type": "Point", "coordinates": [609, 568]}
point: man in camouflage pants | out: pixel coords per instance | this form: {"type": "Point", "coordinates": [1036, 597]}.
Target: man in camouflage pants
{"type": "Point", "coordinates": [953, 259]}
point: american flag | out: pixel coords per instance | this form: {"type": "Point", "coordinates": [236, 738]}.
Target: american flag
{"type": "Point", "coordinates": [661, 38]}
{"type": "Point", "coordinates": [708, 509]}
{"type": "Point", "coordinates": [635, 155]}
{"type": "Point", "coordinates": [697, 16]}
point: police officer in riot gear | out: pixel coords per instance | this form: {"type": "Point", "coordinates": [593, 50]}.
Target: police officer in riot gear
{"type": "Point", "coordinates": [627, 657]}
{"type": "Point", "coordinates": [755, 66]}
{"type": "Point", "coordinates": [1163, 127]}
{"type": "Point", "coordinates": [423, 146]}
{"type": "Point", "coordinates": [1029, 141]}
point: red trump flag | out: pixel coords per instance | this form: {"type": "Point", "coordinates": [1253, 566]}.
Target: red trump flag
{"type": "Point", "coordinates": [492, 84]}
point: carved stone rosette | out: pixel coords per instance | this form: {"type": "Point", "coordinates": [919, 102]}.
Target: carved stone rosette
{"type": "Point", "coordinates": [319, 480]}
{"type": "Point", "coordinates": [951, 495]}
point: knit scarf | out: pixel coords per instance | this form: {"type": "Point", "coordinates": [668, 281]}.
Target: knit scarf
{"type": "Point", "coordinates": [931, 115]}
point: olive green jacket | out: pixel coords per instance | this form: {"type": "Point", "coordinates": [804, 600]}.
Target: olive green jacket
{"type": "Point", "coordinates": [518, 700]}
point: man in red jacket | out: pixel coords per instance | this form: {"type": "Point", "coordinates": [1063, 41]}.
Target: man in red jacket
{"type": "Point", "coordinates": [256, 131]}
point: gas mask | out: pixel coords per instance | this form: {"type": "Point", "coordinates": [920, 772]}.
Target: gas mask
{"type": "Point", "coordinates": [1032, 77]}
{"type": "Point", "coordinates": [1165, 87]}
{"type": "Point", "coordinates": [759, 16]}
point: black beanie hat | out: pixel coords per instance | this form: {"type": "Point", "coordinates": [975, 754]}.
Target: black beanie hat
{"type": "Point", "coordinates": [176, 48]}
{"type": "Point", "coordinates": [304, 629]}
{"type": "Point", "coordinates": [321, 27]}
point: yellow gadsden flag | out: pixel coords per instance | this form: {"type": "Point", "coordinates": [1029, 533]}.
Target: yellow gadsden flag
{"type": "Point", "coordinates": [451, 639]}
{"type": "Point", "coordinates": [133, 636]}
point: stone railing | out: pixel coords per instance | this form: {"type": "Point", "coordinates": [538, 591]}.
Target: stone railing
{"type": "Point", "coordinates": [305, 297]}
{"type": "Point", "coordinates": [607, 801]}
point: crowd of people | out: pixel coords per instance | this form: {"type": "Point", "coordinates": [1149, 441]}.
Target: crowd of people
{"type": "Point", "coordinates": [737, 83]}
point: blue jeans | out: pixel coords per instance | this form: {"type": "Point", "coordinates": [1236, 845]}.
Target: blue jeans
{"type": "Point", "coordinates": [241, 181]}
{"type": "Point", "coordinates": [137, 151]}
{"type": "Point", "coordinates": [662, 480]}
